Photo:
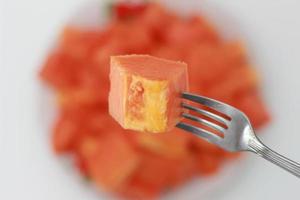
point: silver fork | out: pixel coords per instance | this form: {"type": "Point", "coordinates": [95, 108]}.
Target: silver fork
{"type": "Point", "coordinates": [238, 134]}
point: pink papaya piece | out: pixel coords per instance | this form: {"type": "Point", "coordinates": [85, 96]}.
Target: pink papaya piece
{"type": "Point", "coordinates": [145, 92]}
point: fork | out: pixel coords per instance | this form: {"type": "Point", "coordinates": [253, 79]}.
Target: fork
{"type": "Point", "coordinates": [237, 132]}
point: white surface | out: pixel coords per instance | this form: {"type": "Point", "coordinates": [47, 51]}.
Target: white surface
{"type": "Point", "coordinates": [29, 170]}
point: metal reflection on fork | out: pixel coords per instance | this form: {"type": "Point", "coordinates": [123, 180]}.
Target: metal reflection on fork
{"type": "Point", "coordinates": [238, 134]}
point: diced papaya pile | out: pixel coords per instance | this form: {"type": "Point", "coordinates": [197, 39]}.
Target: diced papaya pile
{"type": "Point", "coordinates": [140, 165]}
{"type": "Point", "coordinates": [145, 92]}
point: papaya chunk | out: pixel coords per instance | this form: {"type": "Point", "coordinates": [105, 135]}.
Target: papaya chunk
{"type": "Point", "coordinates": [145, 92]}
{"type": "Point", "coordinates": [172, 144]}
{"type": "Point", "coordinates": [110, 160]}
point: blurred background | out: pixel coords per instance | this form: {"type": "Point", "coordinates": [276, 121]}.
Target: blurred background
{"type": "Point", "coordinates": [30, 170]}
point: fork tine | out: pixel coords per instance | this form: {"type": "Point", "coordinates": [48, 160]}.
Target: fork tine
{"type": "Point", "coordinates": [204, 122]}
{"type": "Point", "coordinates": [206, 113]}
{"type": "Point", "coordinates": [211, 103]}
{"type": "Point", "coordinates": [200, 132]}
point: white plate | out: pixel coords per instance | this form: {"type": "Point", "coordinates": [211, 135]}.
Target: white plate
{"type": "Point", "coordinates": [28, 168]}
{"type": "Point", "coordinates": [90, 16]}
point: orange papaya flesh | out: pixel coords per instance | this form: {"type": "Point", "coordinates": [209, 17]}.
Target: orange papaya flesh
{"type": "Point", "coordinates": [145, 92]}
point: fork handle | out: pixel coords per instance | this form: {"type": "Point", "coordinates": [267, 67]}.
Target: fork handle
{"type": "Point", "coordinates": [262, 150]}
